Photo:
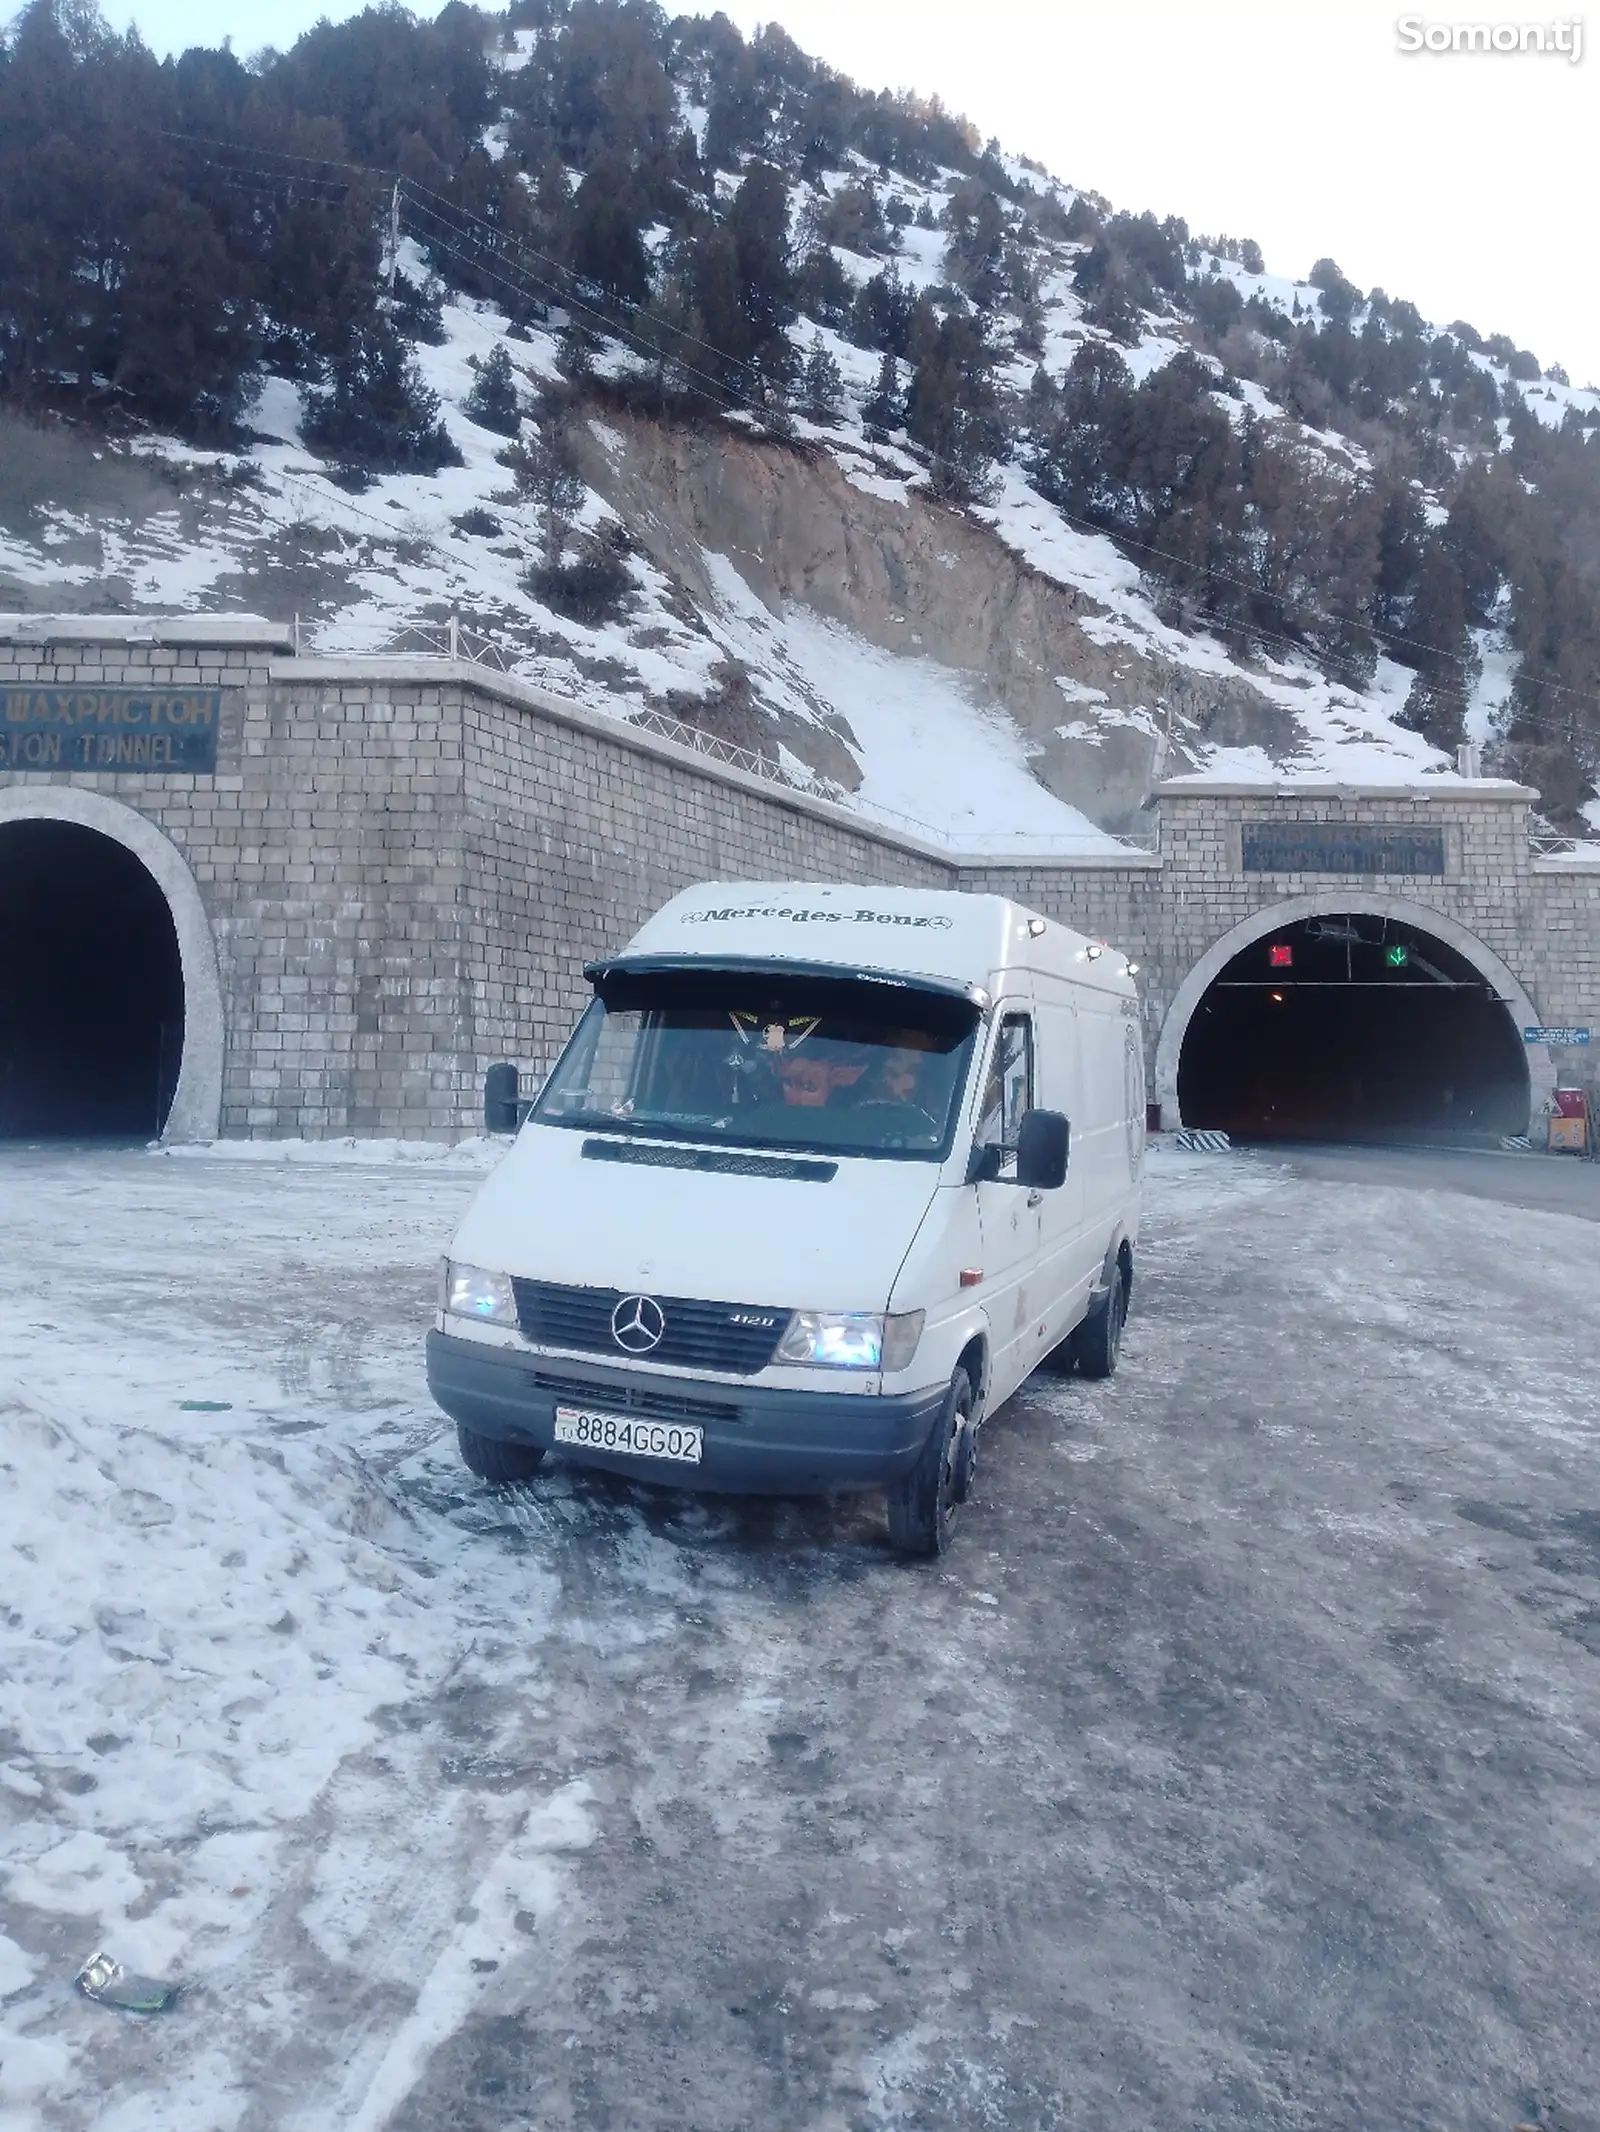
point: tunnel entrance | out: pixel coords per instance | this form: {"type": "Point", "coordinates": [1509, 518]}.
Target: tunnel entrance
{"type": "Point", "coordinates": [91, 987]}
{"type": "Point", "coordinates": [1348, 1028]}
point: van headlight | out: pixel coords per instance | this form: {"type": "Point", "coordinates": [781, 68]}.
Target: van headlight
{"type": "Point", "coordinates": [851, 1340]}
{"type": "Point", "coordinates": [471, 1292]}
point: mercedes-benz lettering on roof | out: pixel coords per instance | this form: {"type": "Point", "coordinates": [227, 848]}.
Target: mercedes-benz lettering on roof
{"type": "Point", "coordinates": [920, 932]}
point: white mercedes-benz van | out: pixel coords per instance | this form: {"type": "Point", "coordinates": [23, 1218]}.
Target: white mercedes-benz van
{"type": "Point", "coordinates": [821, 1176]}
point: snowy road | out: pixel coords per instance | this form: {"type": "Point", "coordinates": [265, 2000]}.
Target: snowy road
{"type": "Point", "coordinates": [1238, 1769]}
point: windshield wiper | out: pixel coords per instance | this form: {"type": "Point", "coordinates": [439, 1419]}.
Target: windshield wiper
{"type": "Point", "coordinates": [601, 1121]}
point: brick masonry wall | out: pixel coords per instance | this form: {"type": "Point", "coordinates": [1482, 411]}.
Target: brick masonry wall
{"type": "Point", "coordinates": [1541, 918]}
{"type": "Point", "coordinates": [1563, 925]}
{"type": "Point", "coordinates": [406, 865]}
{"type": "Point", "coordinates": [574, 837]}
{"type": "Point", "coordinates": [327, 853]}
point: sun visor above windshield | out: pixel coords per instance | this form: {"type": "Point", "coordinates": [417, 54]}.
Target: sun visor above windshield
{"type": "Point", "coordinates": [624, 966]}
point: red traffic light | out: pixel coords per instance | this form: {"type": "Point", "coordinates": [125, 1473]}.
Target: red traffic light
{"type": "Point", "coordinates": [1280, 956]}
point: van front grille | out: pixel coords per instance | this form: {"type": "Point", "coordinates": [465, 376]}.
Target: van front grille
{"type": "Point", "coordinates": [736, 1338]}
{"type": "Point", "coordinates": [637, 1397]}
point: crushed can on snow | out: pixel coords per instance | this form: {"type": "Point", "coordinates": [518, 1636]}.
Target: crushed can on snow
{"type": "Point", "coordinates": [109, 1984]}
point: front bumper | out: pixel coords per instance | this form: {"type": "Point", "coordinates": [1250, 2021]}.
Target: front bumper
{"type": "Point", "coordinates": [758, 1440]}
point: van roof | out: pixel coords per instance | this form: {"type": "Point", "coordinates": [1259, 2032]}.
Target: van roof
{"type": "Point", "coordinates": [915, 932]}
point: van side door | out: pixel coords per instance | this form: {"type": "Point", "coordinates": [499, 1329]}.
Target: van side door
{"type": "Point", "coordinates": [1008, 1215]}
{"type": "Point", "coordinates": [1069, 1255]}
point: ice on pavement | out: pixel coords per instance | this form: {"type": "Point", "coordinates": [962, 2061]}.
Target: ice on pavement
{"type": "Point", "coordinates": [211, 1610]}
{"type": "Point", "coordinates": [210, 1618]}
{"type": "Point", "coordinates": [476, 1152]}
{"type": "Point", "coordinates": [291, 1706]}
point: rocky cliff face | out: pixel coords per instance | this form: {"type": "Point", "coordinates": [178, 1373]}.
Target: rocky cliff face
{"type": "Point", "coordinates": [990, 673]}
{"type": "Point", "coordinates": [1101, 716]}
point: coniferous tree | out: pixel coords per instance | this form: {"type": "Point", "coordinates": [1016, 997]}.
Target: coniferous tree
{"type": "Point", "coordinates": [821, 385]}
{"type": "Point", "coordinates": [714, 291]}
{"type": "Point", "coordinates": [375, 411]}
{"type": "Point", "coordinates": [884, 410]}
{"type": "Point", "coordinates": [975, 255]}
{"type": "Point", "coordinates": [1437, 643]}
{"type": "Point", "coordinates": [823, 290]}
{"type": "Point", "coordinates": [605, 246]}
{"type": "Point", "coordinates": [1340, 298]}
{"type": "Point", "coordinates": [880, 317]}
{"type": "Point", "coordinates": [758, 223]}
{"type": "Point", "coordinates": [544, 468]}
{"type": "Point", "coordinates": [492, 401]}
{"type": "Point", "coordinates": [416, 310]}
{"type": "Point", "coordinates": [952, 407]}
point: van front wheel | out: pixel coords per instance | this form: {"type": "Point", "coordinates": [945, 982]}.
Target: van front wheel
{"type": "Point", "coordinates": [492, 1460]}
{"type": "Point", "coordinates": [922, 1507]}
{"type": "Point", "coordinates": [1097, 1343]}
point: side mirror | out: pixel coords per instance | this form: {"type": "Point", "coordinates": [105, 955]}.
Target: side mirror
{"type": "Point", "coordinates": [502, 1112]}
{"type": "Point", "coordinates": [1043, 1146]}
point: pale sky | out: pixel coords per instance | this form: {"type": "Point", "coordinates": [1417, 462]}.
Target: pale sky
{"type": "Point", "coordinates": [1461, 180]}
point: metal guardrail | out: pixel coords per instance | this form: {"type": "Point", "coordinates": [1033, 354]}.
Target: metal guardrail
{"type": "Point", "coordinates": [454, 640]}
{"type": "Point", "coordinates": [720, 750]}
{"type": "Point", "coordinates": [1554, 847]}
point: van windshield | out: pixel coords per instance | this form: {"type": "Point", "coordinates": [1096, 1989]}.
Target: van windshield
{"type": "Point", "coordinates": [842, 1065]}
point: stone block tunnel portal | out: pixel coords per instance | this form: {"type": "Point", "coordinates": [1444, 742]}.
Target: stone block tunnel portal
{"type": "Point", "coordinates": [1354, 1025]}
{"type": "Point", "coordinates": [91, 987]}
{"type": "Point", "coordinates": [111, 1014]}
{"type": "Point", "coordinates": [379, 877]}
{"type": "Point", "coordinates": [1359, 1022]}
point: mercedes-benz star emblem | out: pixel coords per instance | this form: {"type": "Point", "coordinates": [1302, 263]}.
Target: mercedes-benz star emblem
{"type": "Point", "coordinates": [637, 1324]}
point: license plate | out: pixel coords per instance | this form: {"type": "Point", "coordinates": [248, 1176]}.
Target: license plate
{"type": "Point", "coordinates": [629, 1434]}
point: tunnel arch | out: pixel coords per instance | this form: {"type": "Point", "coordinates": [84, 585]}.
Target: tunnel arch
{"type": "Point", "coordinates": [195, 1112]}
{"type": "Point", "coordinates": [1330, 903]}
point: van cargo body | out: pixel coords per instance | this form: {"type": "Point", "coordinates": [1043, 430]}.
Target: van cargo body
{"type": "Point", "coordinates": [823, 1174]}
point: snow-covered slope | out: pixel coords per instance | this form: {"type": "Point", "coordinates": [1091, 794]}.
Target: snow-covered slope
{"type": "Point", "coordinates": [785, 636]}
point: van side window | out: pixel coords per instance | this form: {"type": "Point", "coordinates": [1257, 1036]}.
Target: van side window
{"type": "Point", "coordinates": [1008, 1090]}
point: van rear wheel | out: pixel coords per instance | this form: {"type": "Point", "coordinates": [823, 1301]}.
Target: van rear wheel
{"type": "Point", "coordinates": [922, 1507]}
{"type": "Point", "coordinates": [492, 1460]}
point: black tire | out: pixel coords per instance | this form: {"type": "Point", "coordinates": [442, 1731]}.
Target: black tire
{"type": "Point", "coordinates": [492, 1460]}
{"type": "Point", "coordinates": [1097, 1343]}
{"type": "Point", "coordinates": [922, 1507]}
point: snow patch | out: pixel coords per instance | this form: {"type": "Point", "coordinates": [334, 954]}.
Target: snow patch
{"type": "Point", "coordinates": [475, 1153]}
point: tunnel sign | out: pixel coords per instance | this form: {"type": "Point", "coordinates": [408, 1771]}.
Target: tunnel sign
{"type": "Point", "coordinates": [151, 732]}
{"type": "Point", "coordinates": [1340, 848]}
{"type": "Point", "coordinates": [1557, 1036]}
